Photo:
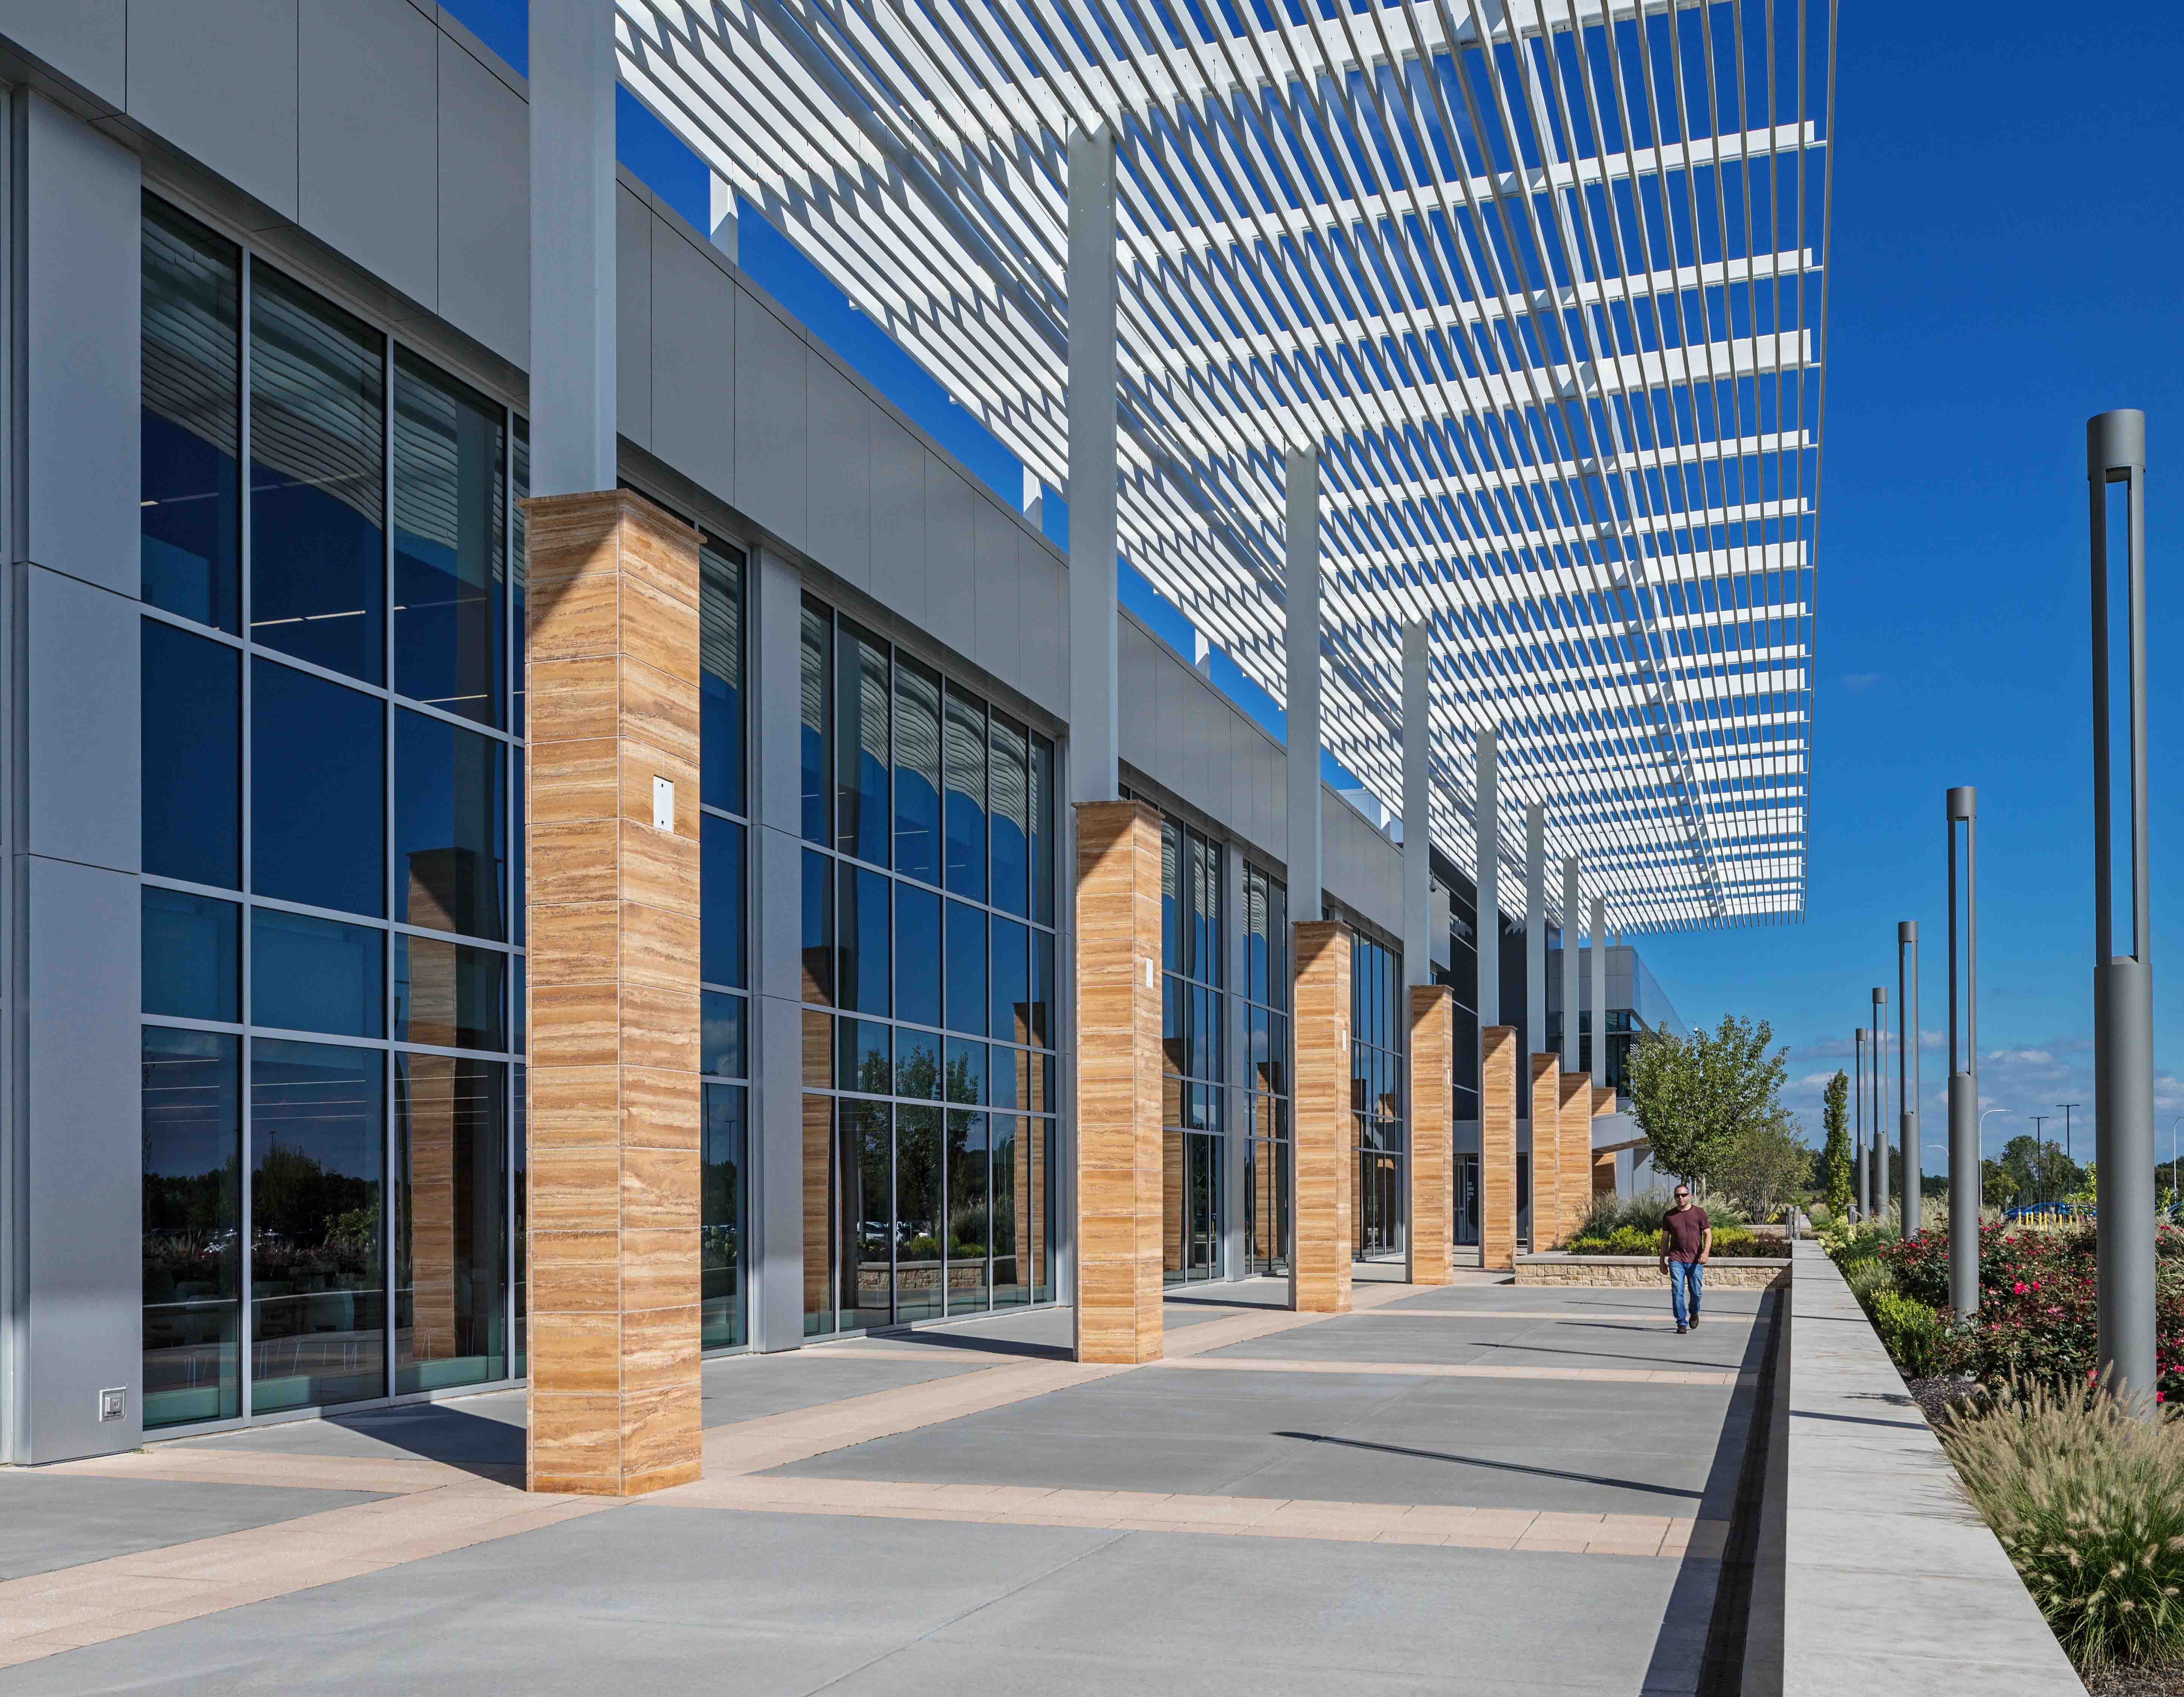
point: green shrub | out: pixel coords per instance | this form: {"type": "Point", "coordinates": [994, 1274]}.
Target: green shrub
{"type": "Point", "coordinates": [1914, 1335]}
{"type": "Point", "coordinates": [2088, 1499]}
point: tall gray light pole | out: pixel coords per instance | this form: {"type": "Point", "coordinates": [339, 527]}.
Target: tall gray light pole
{"type": "Point", "coordinates": [1858, 1097]}
{"type": "Point", "coordinates": [1965, 1171]}
{"type": "Point", "coordinates": [1876, 1169]}
{"type": "Point", "coordinates": [2123, 982]}
{"type": "Point", "coordinates": [2039, 1149]}
{"type": "Point", "coordinates": [1908, 1170]}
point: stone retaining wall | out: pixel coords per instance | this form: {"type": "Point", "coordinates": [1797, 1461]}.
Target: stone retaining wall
{"type": "Point", "coordinates": [1645, 1271]}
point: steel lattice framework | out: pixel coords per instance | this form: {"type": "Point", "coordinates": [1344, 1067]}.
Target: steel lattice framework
{"type": "Point", "coordinates": [1543, 281]}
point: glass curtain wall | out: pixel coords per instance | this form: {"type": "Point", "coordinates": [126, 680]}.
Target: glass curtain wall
{"type": "Point", "coordinates": [1379, 1028]}
{"type": "Point", "coordinates": [1194, 1053]}
{"type": "Point", "coordinates": [333, 964]}
{"type": "Point", "coordinates": [1267, 1082]}
{"type": "Point", "coordinates": [928, 983]}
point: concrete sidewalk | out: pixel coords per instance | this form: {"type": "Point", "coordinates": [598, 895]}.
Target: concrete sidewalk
{"type": "Point", "coordinates": [1469, 1488]}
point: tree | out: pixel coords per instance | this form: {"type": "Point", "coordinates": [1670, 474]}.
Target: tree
{"type": "Point", "coordinates": [2038, 1170]}
{"type": "Point", "coordinates": [1763, 1165]}
{"type": "Point", "coordinates": [1837, 1152]}
{"type": "Point", "coordinates": [1693, 1096]}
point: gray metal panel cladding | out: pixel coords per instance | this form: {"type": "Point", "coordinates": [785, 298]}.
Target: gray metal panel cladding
{"type": "Point", "coordinates": [693, 362]}
{"type": "Point", "coordinates": [633, 234]}
{"type": "Point", "coordinates": [839, 500]}
{"type": "Point", "coordinates": [217, 78]}
{"type": "Point", "coordinates": [82, 722]}
{"type": "Point", "coordinates": [78, 361]}
{"type": "Point", "coordinates": [82, 991]}
{"type": "Point", "coordinates": [773, 440]}
{"type": "Point", "coordinates": [367, 141]}
{"type": "Point", "coordinates": [484, 205]}
{"type": "Point", "coordinates": [898, 497]}
{"type": "Point", "coordinates": [85, 40]}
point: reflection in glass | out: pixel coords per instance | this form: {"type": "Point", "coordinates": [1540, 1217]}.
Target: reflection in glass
{"type": "Point", "coordinates": [966, 968]}
{"type": "Point", "coordinates": [1042, 836]}
{"type": "Point", "coordinates": [191, 495]}
{"type": "Point", "coordinates": [192, 951]}
{"type": "Point", "coordinates": [917, 1064]}
{"type": "Point", "coordinates": [967, 1072]}
{"type": "Point", "coordinates": [192, 782]}
{"type": "Point", "coordinates": [317, 471]}
{"type": "Point", "coordinates": [1009, 1286]}
{"type": "Point", "coordinates": [1011, 1015]}
{"type": "Point", "coordinates": [450, 1208]}
{"type": "Point", "coordinates": [916, 770]}
{"type": "Point", "coordinates": [312, 974]}
{"type": "Point", "coordinates": [1012, 801]}
{"type": "Point", "coordinates": [826, 1195]}
{"type": "Point", "coordinates": [860, 745]}
{"type": "Point", "coordinates": [519, 1352]}
{"type": "Point", "coordinates": [1042, 989]}
{"type": "Point", "coordinates": [193, 1226]}
{"type": "Point", "coordinates": [818, 683]}
{"type": "Point", "coordinates": [519, 487]}
{"type": "Point", "coordinates": [318, 791]}
{"type": "Point", "coordinates": [964, 744]}
{"type": "Point", "coordinates": [720, 675]}
{"type": "Point", "coordinates": [970, 1224]}
{"type": "Point", "coordinates": [861, 937]}
{"type": "Point", "coordinates": [917, 1217]}
{"type": "Point", "coordinates": [723, 1316]}
{"type": "Point", "coordinates": [448, 994]}
{"type": "Point", "coordinates": [318, 1298]}
{"type": "Point", "coordinates": [865, 1060]}
{"type": "Point", "coordinates": [916, 955]}
{"type": "Point", "coordinates": [721, 1037]}
{"type": "Point", "coordinates": [867, 1214]}
{"type": "Point", "coordinates": [450, 827]}
{"type": "Point", "coordinates": [721, 957]}
{"type": "Point", "coordinates": [449, 512]}
{"type": "Point", "coordinates": [818, 930]}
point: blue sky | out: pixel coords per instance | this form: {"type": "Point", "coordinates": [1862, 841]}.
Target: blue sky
{"type": "Point", "coordinates": [2007, 236]}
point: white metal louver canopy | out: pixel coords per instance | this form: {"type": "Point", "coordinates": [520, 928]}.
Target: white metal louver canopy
{"type": "Point", "coordinates": [1543, 280]}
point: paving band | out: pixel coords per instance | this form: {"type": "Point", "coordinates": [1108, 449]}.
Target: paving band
{"type": "Point", "coordinates": [432, 1507]}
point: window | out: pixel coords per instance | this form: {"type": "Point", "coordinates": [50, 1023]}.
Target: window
{"type": "Point", "coordinates": [192, 495]}
{"type": "Point", "coordinates": [192, 1226]}
{"type": "Point", "coordinates": [1267, 1166]}
{"type": "Point", "coordinates": [192, 769]}
{"type": "Point", "coordinates": [332, 1149]}
{"type": "Point", "coordinates": [450, 506]}
{"type": "Point", "coordinates": [1194, 1046]}
{"type": "Point", "coordinates": [928, 1026]}
{"type": "Point", "coordinates": [318, 464]}
{"type": "Point", "coordinates": [1378, 1026]}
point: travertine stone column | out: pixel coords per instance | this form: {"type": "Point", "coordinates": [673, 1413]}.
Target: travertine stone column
{"type": "Point", "coordinates": [1546, 1153]}
{"type": "Point", "coordinates": [1320, 1267]}
{"type": "Point", "coordinates": [1432, 1167]}
{"type": "Point", "coordinates": [1576, 1151]}
{"type": "Point", "coordinates": [1118, 1082]}
{"type": "Point", "coordinates": [612, 859]}
{"type": "Point", "coordinates": [1498, 1148]}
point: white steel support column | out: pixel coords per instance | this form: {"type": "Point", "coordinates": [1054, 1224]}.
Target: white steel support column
{"type": "Point", "coordinates": [1418, 797]}
{"type": "Point", "coordinates": [1572, 901]}
{"type": "Point", "coordinates": [572, 247]}
{"type": "Point", "coordinates": [1486, 822]}
{"type": "Point", "coordinates": [1236, 1034]}
{"type": "Point", "coordinates": [1599, 992]}
{"type": "Point", "coordinates": [1536, 935]}
{"type": "Point", "coordinates": [1093, 602]}
{"type": "Point", "coordinates": [1300, 637]}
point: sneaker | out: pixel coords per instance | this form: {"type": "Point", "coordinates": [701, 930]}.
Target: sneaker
{"type": "Point", "coordinates": [1681, 1328]}
{"type": "Point", "coordinates": [1695, 1322]}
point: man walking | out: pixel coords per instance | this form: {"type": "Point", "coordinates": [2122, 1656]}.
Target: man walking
{"type": "Point", "coordinates": [1686, 1241]}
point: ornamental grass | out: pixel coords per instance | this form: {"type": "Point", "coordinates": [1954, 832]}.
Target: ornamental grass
{"type": "Point", "coordinates": [2088, 1499]}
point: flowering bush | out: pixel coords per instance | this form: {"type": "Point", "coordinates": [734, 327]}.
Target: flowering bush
{"type": "Point", "coordinates": [2039, 1304]}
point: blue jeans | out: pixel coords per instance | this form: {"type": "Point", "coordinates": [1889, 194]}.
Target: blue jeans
{"type": "Point", "coordinates": [1684, 1278]}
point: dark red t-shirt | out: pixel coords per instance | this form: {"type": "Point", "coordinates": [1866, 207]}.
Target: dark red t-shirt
{"type": "Point", "coordinates": [1687, 1230]}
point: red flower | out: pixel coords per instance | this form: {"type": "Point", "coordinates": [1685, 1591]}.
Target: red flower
{"type": "Point", "coordinates": [2017, 1289]}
